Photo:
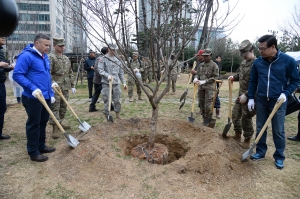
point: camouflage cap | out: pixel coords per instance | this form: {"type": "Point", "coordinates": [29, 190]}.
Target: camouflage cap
{"type": "Point", "coordinates": [112, 46]}
{"type": "Point", "coordinates": [135, 54]}
{"type": "Point", "coordinates": [207, 51]}
{"type": "Point", "coordinates": [245, 47]}
{"type": "Point", "coordinates": [58, 41]}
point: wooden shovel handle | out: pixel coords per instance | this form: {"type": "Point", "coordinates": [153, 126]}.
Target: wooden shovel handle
{"type": "Point", "coordinates": [110, 91]}
{"type": "Point", "coordinates": [195, 93]}
{"type": "Point", "coordinates": [58, 90]}
{"type": "Point", "coordinates": [276, 107]}
{"type": "Point", "coordinates": [42, 100]}
{"type": "Point", "coordinates": [215, 94]}
{"type": "Point", "coordinates": [230, 99]}
{"type": "Point", "coordinates": [190, 75]}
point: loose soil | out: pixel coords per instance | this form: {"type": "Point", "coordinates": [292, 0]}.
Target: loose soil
{"type": "Point", "coordinates": [201, 164]}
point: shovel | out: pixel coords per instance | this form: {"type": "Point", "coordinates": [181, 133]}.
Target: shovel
{"type": "Point", "coordinates": [72, 142]}
{"type": "Point", "coordinates": [84, 126]}
{"type": "Point", "coordinates": [191, 119]}
{"type": "Point", "coordinates": [227, 126]}
{"type": "Point", "coordinates": [212, 122]}
{"type": "Point", "coordinates": [109, 117]}
{"type": "Point", "coordinates": [183, 96]}
{"type": "Point", "coordinates": [250, 151]}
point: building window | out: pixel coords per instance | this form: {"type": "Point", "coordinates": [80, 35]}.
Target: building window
{"type": "Point", "coordinates": [33, 7]}
{"type": "Point", "coordinates": [34, 17]}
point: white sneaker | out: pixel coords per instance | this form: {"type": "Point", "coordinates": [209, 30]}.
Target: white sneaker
{"type": "Point", "coordinates": [90, 99]}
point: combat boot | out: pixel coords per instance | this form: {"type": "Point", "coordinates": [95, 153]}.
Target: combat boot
{"type": "Point", "coordinates": [237, 136]}
{"type": "Point", "coordinates": [246, 143]}
{"type": "Point", "coordinates": [118, 116]}
{"type": "Point", "coordinates": [55, 133]}
{"type": "Point", "coordinates": [218, 113]}
{"type": "Point", "coordinates": [131, 99]}
{"type": "Point", "coordinates": [140, 97]}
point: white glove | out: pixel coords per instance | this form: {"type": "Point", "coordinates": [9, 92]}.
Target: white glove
{"type": "Point", "coordinates": [136, 70]}
{"type": "Point", "coordinates": [73, 90]}
{"type": "Point", "coordinates": [178, 76]}
{"type": "Point", "coordinates": [195, 80]}
{"type": "Point", "coordinates": [35, 92]}
{"type": "Point", "coordinates": [54, 84]}
{"type": "Point", "coordinates": [52, 100]}
{"type": "Point", "coordinates": [138, 75]}
{"type": "Point", "coordinates": [251, 105]}
{"type": "Point", "coordinates": [231, 78]}
{"type": "Point", "coordinates": [243, 99]}
{"type": "Point", "coordinates": [202, 82]}
{"type": "Point", "coordinates": [282, 96]}
{"type": "Point", "coordinates": [109, 77]}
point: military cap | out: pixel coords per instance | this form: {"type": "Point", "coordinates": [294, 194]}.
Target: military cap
{"type": "Point", "coordinates": [245, 47]}
{"type": "Point", "coordinates": [135, 54]}
{"type": "Point", "coordinates": [58, 41]}
{"type": "Point", "coordinates": [112, 46]}
{"type": "Point", "coordinates": [207, 51]}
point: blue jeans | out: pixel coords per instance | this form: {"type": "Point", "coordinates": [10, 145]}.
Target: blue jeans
{"type": "Point", "coordinates": [2, 105]}
{"type": "Point", "coordinates": [36, 123]}
{"type": "Point", "coordinates": [263, 109]}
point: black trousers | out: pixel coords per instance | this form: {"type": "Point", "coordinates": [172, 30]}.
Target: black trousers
{"type": "Point", "coordinates": [98, 88]}
{"type": "Point", "coordinates": [90, 87]}
{"type": "Point", "coordinates": [2, 105]}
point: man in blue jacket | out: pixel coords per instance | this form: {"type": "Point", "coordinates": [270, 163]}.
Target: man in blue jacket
{"type": "Point", "coordinates": [32, 72]}
{"type": "Point", "coordinates": [89, 66]}
{"type": "Point", "coordinates": [274, 76]}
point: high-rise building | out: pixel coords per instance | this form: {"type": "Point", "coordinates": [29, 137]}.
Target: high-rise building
{"type": "Point", "coordinates": [51, 17]}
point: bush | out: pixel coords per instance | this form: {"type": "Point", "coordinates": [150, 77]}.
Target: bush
{"type": "Point", "coordinates": [223, 72]}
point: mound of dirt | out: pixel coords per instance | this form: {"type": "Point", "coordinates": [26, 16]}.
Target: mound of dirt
{"type": "Point", "coordinates": [198, 156]}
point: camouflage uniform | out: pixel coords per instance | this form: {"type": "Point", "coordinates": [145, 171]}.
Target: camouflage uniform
{"type": "Point", "coordinates": [111, 66]}
{"type": "Point", "coordinates": [241, 116]}
{"type": "Point", "coordinates": [131, 82]}
{"type": "Point", "coordinates": [62, 74]}
{"type": "Point", "coordinates": [144, 71]}
{"type": "Point", "coordinates": [207, 71]}
{"type": "Point", "coordinates": [148, 67]}
{"type": "Point", "coordinates": [174, 73]}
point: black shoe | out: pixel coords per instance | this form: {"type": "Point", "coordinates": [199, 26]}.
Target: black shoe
{"type": "Point", "coordinates": [3, 137]}
{"type": "Point", "coordinates": [93, 110]}
{"type": "Point", "coordinates": [48, 149]}
{"type": "Point", "coordinates": [294, 138]}
{"type": "Point", "coordinates": [39, 158]}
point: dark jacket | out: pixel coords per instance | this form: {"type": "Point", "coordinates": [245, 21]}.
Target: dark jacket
{"type": "Point", "coordinates": [89, 62]}
{"type": "Point", "coordinates": [33, 72]}
{"type": "Point", "coordinates": [3, 70]}
{"type": "Point", "coordinates": [270, 79]}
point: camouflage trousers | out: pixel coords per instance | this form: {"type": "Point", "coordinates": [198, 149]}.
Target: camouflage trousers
{"type": "Point", "coordinates": [59, 107]}
{"type": "Point", "coordinates": [173, 82]}
{"type": "Point", "coordinates": [116, 94]}
{"type": "Point", "coordinates": [205, 102]}
{"type": "Point", "coordinates": [131, 83]}
{"type": "Point", "coordinates": [144, 76]}
{"type": "Point", "coordinates": [150, 76]}
{"type": "Point", "coordinates": [242, 119]}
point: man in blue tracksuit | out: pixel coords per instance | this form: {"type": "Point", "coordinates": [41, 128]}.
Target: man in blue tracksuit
{"type": "Point", "coordinates": [274, 76]}
{"type": "Point", "coordinates": [32, 72]}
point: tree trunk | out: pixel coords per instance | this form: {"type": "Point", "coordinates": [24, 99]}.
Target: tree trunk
{"type": "Point", "coordinates": [151, 139]}
{"type": "Point", "coordinates": [205, 26]}
{"type": "Point", "coordinates": [146, 40]}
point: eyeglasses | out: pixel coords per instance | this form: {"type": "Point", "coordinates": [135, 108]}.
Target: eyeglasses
{"type": "Point", "coordinates": [263, 48]}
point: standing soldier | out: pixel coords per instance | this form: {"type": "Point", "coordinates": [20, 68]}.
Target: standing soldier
{"type": "Point", "coordinates": [241, 116]}
{"type": "Point", "coordinates": [175, 72]}
{"type": "Point", "coordinates": [149, 69]}
{"type": "Point", "coordinates": [143, 70]}
{"type": "Point", "coordinates": [62, 76]}
{"type": "Point", "coordinates": [110, 66]}
{"type": "Point", "coordinates": [136, 66]}
{"type": "Point", "coordinates": [206, 75]}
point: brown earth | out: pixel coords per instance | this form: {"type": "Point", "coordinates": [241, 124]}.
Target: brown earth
{"type": "Point", "coordinates": [201, 163]}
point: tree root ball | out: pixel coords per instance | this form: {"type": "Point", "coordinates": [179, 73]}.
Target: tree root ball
{"type": "Point", "coordinates": [157, 155]}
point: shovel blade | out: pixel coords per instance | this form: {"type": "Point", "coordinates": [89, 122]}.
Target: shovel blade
{"type": "Point", "coordinates": [191, 119]}
{"type": "Point", "coordinates": [84, 126]}
{"type": "Point", "coordinates": [110, 118]}
{"type": "Point", "coordinates": [226, 129]}
{"type": "Point", "coordinates": [182, 104]}
{"type": "Point", "coordinates": [212, 123]}
{"type": "Point", "coordinates": [249, 152]}
{"type": "Point", "coordinates": [183, 96]}
{"type": "Point", "coordinates": [71, 141]}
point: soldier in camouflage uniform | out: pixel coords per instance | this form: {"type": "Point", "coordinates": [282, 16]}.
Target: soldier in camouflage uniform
{"type": "Point", "coordinates": [148, 67]}
{"type": "Point", "coordinates": [110, 66]}
{"type": "Point", "coordinates": [144, 70]}
{"type": "Point", "coordinates": [205, 77]}
{"type": "Point", "coordinates": [62, 74]}
{"type": "Point", "coordinates": [241, 116]}
{"type": "Point", "coordinates": [135, 64]}
{"type": "Point", "coordinates": [175, 72]}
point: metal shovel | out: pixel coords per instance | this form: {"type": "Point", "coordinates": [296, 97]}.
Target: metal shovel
{"type": "Point", "coordinates": [84, 126]}
{"type": "Point", "coordinates": [109, 117]}
{"type": "Point", "coordinates": [212, 122]}
{"type": "Point", "coordinates": [228, 125]}
{"type": "Point", "coordinates": [191, 119]}
{"type": "Point", "coordinates": [72, 142]}
{"type": "Point", "coordinates": [249, 152]}
{"type": "Point", "coordinates": [183, 96]}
